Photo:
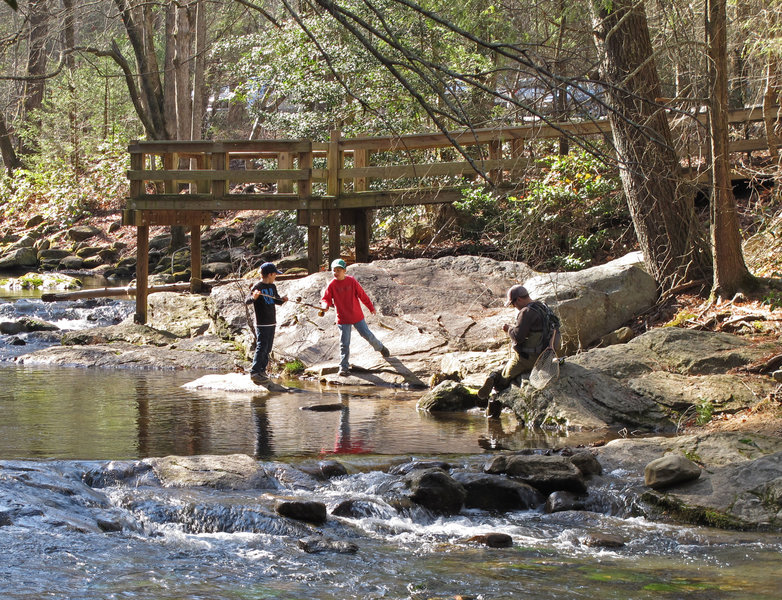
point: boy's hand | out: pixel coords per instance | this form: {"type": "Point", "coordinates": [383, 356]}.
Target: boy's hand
{"type": "Point", "coordinates": [505, 327]}
{"type": "Point", "coordinates": [256, 294]}
{"type": "Point", "coordinates": [373, 312]}
{"type": "Point", "coordinates": [285, 298]}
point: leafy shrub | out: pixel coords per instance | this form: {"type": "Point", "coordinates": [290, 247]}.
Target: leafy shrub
{"type": "Point", "coordinates": [63, 194]}
{"type": "Point", "coordinates": [278, 233]}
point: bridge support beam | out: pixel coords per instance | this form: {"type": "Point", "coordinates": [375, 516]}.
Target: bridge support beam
{"type": "Point", "coordinates": [142, 273]}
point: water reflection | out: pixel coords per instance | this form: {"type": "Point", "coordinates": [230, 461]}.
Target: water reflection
{"type": "Point", "coordinates": [97, 414]}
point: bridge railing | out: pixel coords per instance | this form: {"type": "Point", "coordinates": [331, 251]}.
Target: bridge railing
{"type": "Point", "coordinates": [341, 181]}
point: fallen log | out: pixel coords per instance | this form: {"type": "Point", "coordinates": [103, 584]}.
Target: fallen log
{"type": "Point", "coordinates": [113, 291]}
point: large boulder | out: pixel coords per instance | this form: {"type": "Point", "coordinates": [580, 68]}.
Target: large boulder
{"type": "Point", "coordinates": [428, 308]}
{"type": "Point", "coordinates": [595, 301]}
{"type": "Point", "coordinates": [740, 482]}
{"type": "Point", "coordinates": [647, 383]}
{"type": "Point", "coordinates": [545, 473]}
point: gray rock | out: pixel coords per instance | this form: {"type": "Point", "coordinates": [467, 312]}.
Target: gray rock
{"type": "Point", "coordinates": [232, 471]}
{"type": "Point", "coordinates": [19, 258]}
{"type": "Point", "coordinates": [670, 470]}
{"type": "Point", "coordinates": [436, 490]}
{"type": "Point", "coordinates": [561, 501]}
{"type": "Point", "coordinates": [497, 493]}
{"type": "Point", "coordinates": [545, 473]}
{"type": "Point", "coordinates": [79, 233]}
{"type": "Point", "coordinates": [587, 463]}
{"type": "Point", "coordinates": [302, 510]}
{"type": "Point", "coordinates": [316, 544]}
{"type": "Point", "coordinates": [492, 540]}
{"type": "Point", "coordinates": [447, 396]}
{"type": "Point", "coordinates": [602, 540]}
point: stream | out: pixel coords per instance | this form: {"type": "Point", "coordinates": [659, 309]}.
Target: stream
{"type": "Point", "coordinates": [71, 528]}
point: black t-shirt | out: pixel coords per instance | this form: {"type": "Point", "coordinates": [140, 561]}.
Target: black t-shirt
{"type": "Point", "coordinates": [264, 305]}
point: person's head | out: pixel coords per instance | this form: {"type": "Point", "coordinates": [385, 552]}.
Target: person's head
{"type": "Point", "coordinates": [517, 296]}
{"type": "Point", "coordinates": [269, 271]}
{"type": "Point", "coordinates": [339, 268]}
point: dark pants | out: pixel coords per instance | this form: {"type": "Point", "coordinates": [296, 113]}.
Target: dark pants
{"type": "Point", "coordinates": [264, 340]}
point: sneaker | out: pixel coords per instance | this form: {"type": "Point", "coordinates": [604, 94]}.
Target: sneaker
{"type": "Point", "coordinates": [385, 352]}
{"type": "Point", "coordinates": [343, 372]}
{"type": "Point", "coordinates": [486, 388]}
{"type": "Point", "coordinates": [259, 379]}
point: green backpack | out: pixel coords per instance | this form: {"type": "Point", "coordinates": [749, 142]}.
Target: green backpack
{"type": "Point", "coordinates": [551, 325]}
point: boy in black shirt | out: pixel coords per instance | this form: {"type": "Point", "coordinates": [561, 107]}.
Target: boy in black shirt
{"type": "Point", "coordinates": [264, 298]}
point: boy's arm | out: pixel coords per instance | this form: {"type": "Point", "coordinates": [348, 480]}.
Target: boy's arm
{"type": "Point", "coordinates": [254, 292]}
{"type": "Point", "coordinates": [327, 300]}
{"type": "Point", "coordinates": [362, 295]}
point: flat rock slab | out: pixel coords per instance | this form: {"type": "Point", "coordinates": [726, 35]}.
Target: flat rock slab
{"type": "Point", "coordinates": [227, 382]}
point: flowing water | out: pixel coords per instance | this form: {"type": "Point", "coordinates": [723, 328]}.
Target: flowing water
{"type": "Point", "coordinates": [62, 429]}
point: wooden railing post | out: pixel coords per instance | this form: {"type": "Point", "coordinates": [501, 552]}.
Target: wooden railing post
{"type": "Point", "coordinates": [362, 216]}
{"type": "Point", "coordinates": [304, 192]}
{"type": "Point", "coordinates": [142, 273]}
{"type": "Point", "coordinates": [285, 161]}
{"type": "Point", "coordinates": [195, 258]}
{"type": "Point", "coordinates": [334, 162]}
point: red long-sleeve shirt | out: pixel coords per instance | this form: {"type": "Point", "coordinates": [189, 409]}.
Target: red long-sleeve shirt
{"type": "Point", "coordinates": [344, 296]}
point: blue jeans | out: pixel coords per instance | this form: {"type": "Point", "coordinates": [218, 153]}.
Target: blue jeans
{"type": "Point", "coordinates": [263, 346]}
{"type": "Point", "coordinates": [344, 340]}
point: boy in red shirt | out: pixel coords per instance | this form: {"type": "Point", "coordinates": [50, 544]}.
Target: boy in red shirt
{"type": "Point", "coordinates": [344, 293]}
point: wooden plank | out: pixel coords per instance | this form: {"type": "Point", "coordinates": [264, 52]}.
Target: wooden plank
{"type": "Point", "coordinates": [314, 249]}
{"type": "Point", "coordinates": [434, 169]}
{"type": "Point", "coordinates": [166, 217]}
{"type": "Point", "coordinates": [187, 202]}
{"type": "Point", "coordinates": [238, 175]}
{"type": "Point", "coordinates": [222, 146]}
{"type": "Point", "coordinates": [334, 230]}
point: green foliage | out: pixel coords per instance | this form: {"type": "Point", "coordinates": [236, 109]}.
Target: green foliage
{"type": "Point", "coordinates": [294, 91]}
{"type": "Point", "coordinates": [563, 219]}
{"type": "Point", "coordinates": [278, 233]}
{"type": "Point", "coordinates": [773, 299]}
{"type": "Point", "coordinates": [63, 194]}
{"type": "Point", "coordinates": [294, 367]}
{"type": "Point", "coordinates": [704, 410]}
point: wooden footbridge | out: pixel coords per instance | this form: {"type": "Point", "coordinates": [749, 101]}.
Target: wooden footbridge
{"type": "Point", "coordinates": [329, 184]}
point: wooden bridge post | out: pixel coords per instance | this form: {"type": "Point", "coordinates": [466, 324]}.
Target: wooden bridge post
{"type": "Point", "coordinates": [362, 216]}
{"type": "Point", "coordinates": [334, 162]}
{"type": "Point", "coordinates": [142, 273]}
{"type": "Point", "coordinates": [304, 191]}
{"type": "Point", "coordinates": [195, 258]}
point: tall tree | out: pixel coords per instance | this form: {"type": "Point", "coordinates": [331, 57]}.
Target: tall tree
{"type": "Point", "coordinates": [663, 213]}
{"type": "Point", "coordinates": [730, 271]}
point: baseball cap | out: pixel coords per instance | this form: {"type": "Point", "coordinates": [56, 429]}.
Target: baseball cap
{"type": "Point", "coordinates": [515, 291]}
{"type": "Point", "coordinates": [338, 262]}
{"type": "Point", "coordinates": [268, 268]}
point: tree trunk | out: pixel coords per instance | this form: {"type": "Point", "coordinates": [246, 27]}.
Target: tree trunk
{"type": "Point", "coordinates": [771, 116]}
{"type": "Point", "coordinates": [10, 159]}
{"type": "Point", "coordinates": [199, 83]}
{"type": "Point", "coordinates": [36, 63]}
{"type": "Point", "coordinates": [139, 21]}
{"type": "Point", "coordinates": [730, 272]}
{"type": "Point", "coordinates": [663, 215]}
